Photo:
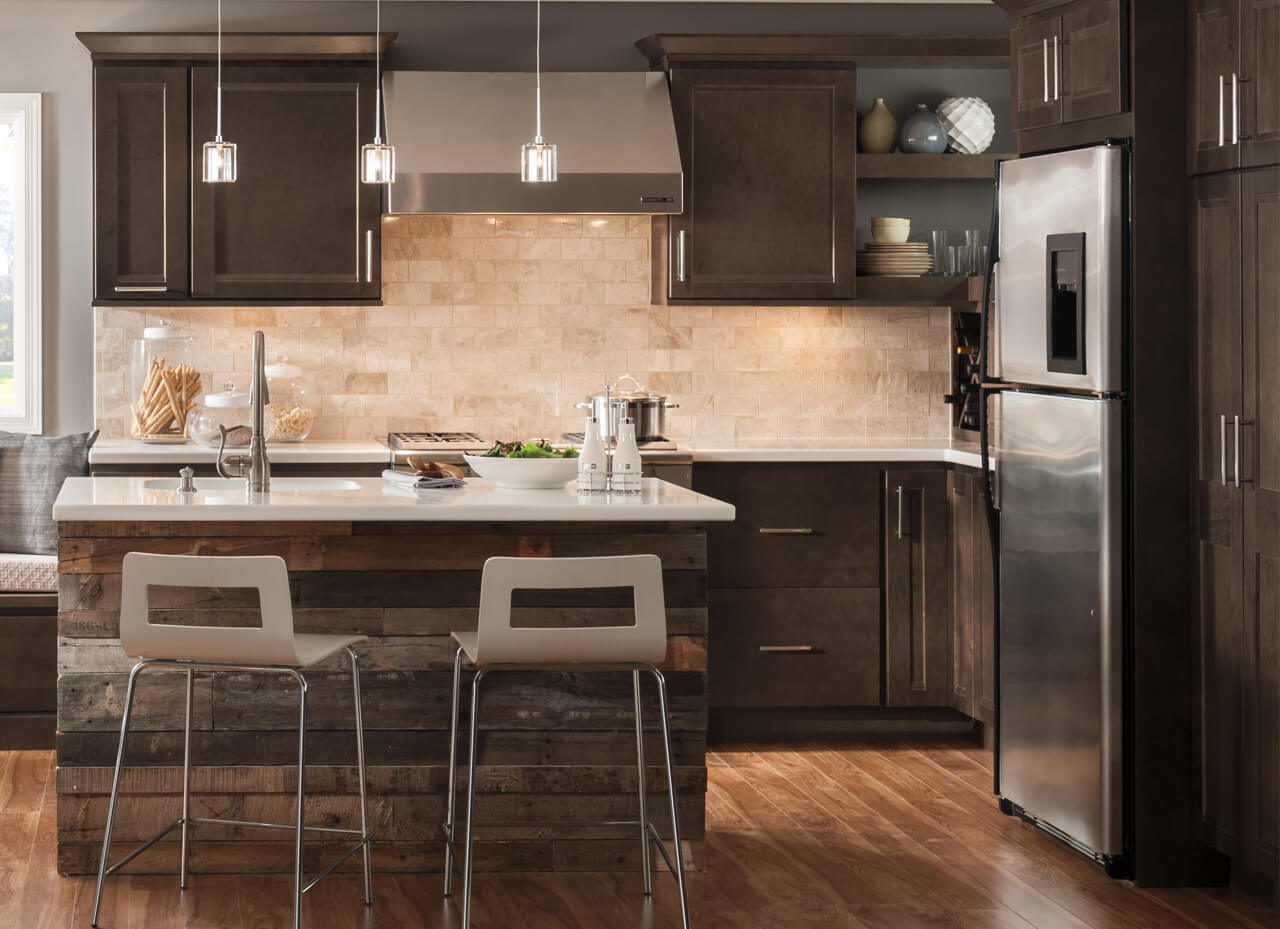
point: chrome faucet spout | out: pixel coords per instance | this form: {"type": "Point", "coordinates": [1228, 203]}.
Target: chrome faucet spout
{"type": "Point", "coordinates": [254, 467]}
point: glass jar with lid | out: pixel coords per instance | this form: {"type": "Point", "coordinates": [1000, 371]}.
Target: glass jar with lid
{"type": "Point", "coordinates": [292, 401]}
{"type": "Point", "coordinates": [164, 385]}
{"type": "Point", "coordinates": [228, 407]}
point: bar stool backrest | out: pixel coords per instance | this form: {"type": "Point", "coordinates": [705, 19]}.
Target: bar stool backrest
{"type": "Point", "coordinates": [644, 642]}
{"type": "Point", "coordinates": [269, 644]}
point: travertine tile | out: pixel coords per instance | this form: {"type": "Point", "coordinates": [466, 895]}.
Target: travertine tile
{"type": "Point", "coordinates": [502, 323]}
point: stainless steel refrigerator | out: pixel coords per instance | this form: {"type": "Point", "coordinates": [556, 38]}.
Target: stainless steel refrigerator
{"type": "Point", "coordinates": [1056, 424]}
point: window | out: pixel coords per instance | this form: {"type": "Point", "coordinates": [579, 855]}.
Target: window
{"type": "Point", "coordinates": [20, 262]}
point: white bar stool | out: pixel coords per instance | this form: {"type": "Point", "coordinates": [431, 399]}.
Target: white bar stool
{"type": "Point", "coordinates": [272, 648]}
{"type": "Point", "coordinates": [496, 645]}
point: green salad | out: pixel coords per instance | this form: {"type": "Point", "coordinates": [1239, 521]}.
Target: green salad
{"type": "Point", "coordinates": [534, 448]}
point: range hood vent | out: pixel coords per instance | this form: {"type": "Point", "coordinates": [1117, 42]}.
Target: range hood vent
{"type": "Point", "coordinates": [458, 136]}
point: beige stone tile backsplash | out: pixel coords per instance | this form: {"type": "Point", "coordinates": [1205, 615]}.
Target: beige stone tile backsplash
{"type": "Point", "coordinates": [500, 324]}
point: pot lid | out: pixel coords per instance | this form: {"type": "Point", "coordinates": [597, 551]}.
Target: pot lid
{"type": "Point", "coordinates": [619, 391]}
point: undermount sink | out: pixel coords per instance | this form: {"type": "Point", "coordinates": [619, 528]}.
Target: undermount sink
{"type": "Point", "coordinates": [282, 484]}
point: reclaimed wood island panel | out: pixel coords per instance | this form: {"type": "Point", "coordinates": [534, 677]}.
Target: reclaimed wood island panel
{"type": "Point", "coordinates": [553, 747]}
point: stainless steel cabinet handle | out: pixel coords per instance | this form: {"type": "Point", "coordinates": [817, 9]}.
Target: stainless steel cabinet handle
{"type": "Point", "coordinates": [368, 256]}
{"type": "Point", "coordinates": [1222, 118]}
{"type": "Point", "coordinates": [1237, 449]}
{"type": "Point", "coordinates": [899, 511]}
{"type": "Point", "coordinates": [680, 273]}
{"type": "Point", "coordinates": [786, 532]}
{"type": "Point", "coordinates": [1045, 54]}
{"type": "Point", "coordinates": [140, 288]}
{"type": "Point", "coordinates": [1222, 444]}
{"type": "Point", "coordinates": [1057, 68]}
{"type": "Point", "coordinates": [786, 648]}
{"type": "Point", "coordinates": [1235, 108]}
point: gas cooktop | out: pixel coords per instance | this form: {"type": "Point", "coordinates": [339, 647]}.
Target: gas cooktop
{"type": "Point", "coordinates": [433, 441]}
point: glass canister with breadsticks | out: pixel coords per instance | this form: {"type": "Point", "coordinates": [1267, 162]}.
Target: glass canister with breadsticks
{"type": "Point", "coordinates": [164, 385]}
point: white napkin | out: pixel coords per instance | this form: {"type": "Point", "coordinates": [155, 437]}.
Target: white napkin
{"type": "Point", "coordinates": [405, 479]}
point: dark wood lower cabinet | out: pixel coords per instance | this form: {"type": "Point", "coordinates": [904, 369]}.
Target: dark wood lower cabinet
{"type": "Point", "coordinates": [795, 647]}
{"type": "Point", "coordinates": [973, 627]}
{"type": "Point", "coordinates": [916, 588]}
{"type": "Point", "coordinates": [28, 670]}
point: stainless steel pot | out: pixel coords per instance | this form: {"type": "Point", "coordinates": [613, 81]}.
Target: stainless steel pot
{"type": "Point", "coordinates": [647, 410]}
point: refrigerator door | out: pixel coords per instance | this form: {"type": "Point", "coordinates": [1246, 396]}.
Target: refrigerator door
{"type": "Point", "coordinates": [1059, 470]}
{"type": "Point", "coordinates": [1059, 290]}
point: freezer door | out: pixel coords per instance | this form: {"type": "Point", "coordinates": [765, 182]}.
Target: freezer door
{"type": "Point", "coordinates": [1059, 471]}
{"type": "Point", "coordinates": [1059, 291]}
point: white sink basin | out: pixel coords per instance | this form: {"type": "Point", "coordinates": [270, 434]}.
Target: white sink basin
{"type": "Point", "coordinates": [280, 484]}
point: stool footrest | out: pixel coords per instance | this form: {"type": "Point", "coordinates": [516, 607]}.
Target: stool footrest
{"type": "Point", "coordinates": [339, 860]}
{"type": "Point", "coordinates": [143, 847]}
{"type": "Point", "coordinates": [290, 826]}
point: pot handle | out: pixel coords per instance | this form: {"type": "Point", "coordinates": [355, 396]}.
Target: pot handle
{"type": "Point", "coordinates": [671, 406]}
{"type": "Point", "coordinates": [627, 377]}
{"type": "Point", "coordinates": [583, 405]}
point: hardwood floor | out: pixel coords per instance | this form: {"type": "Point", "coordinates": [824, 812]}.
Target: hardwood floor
{"type": "Point", "coordinates": [850, 836]}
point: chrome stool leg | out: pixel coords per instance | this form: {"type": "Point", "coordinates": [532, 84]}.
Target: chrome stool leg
{"type": "Point", "coordinates": [302, 778]}
{"type": "Point", "coordinates": [364, 803]}
{"type": "Point", "coordinates": [671, 794]}
{"type": "Point", "coordinates": [115, 793]}
{"type": "Point", "coordinates": [453, 775]}
{"type": "Point", "coordinates": [186, 782]}
{"type": "Point", "coordinates": [640, 769]}
{"type": "Point", "coordinates": [471, 800]}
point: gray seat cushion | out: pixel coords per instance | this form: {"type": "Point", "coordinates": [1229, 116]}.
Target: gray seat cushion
{"type": "Point", "coordinates": [32, 469]}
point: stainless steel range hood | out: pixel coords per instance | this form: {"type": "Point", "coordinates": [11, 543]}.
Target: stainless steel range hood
{"type": "Point", "coordinates": [458, 136]}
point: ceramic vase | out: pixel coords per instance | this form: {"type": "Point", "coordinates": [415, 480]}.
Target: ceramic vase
{"type": "Point", "coordinates": [922, 133]}
{"type": "Point", "coordinates": [879, 130]}
{"type": "Point", "coordinates": [969, 122]}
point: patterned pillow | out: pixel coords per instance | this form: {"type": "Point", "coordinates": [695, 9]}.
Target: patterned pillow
{"type": "Point", "coordinates": [32, 469]}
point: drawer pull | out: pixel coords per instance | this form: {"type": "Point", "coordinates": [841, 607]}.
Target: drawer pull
{"type": "Point", "coordinates": [786, 648]}
{"type": "Point", "coordinates": [786, 532]}
{"type": "Point", "coordinates": [140, 288]}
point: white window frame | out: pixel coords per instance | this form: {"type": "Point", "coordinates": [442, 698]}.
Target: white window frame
{"type": "Point", "coordinates": [27, 268]}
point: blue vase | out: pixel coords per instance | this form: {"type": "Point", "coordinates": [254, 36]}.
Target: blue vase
{"type": "Point", "coordinates": [922, 133]}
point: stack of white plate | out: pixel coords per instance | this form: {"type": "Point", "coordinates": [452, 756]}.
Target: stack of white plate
{"type": "Point", "coordinates": [894, 259]}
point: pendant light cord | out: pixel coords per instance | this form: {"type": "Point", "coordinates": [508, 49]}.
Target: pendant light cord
{"type": "Point", "coordinates": [377, 90]}
{"type": "Point", "coordinates": [538, 70]}
{"type": "Point", "coordinates": [218, 135]}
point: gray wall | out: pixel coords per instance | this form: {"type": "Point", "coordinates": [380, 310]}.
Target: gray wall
{"type": "Point", "coordinates": [39, 52]}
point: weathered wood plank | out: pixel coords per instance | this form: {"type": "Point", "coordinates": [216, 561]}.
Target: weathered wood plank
{"type": "Point", "coordinates": [381, 653]}
{"type": "Point", "coordinates": [368, 589]}
{"type": "Point", "coordinates": [392, 700]}
{"type": "Point", "coordinates": [391, 747]}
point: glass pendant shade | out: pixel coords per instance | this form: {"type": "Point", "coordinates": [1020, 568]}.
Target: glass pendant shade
{"type": "Point", "coordinates": [219, 162]}
{"type": "Point", "coordinates": [537, 162]}
{"type": "Point", "coordinates": [378, 163]}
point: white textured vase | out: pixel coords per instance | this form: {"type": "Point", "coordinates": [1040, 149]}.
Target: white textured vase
{"type": "Point", "coordinates": [969, 122]}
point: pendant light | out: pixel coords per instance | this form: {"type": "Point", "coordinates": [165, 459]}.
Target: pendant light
{"type": "Point", "coordinates": [538, 158]}
{"type": "Point", "coordinates": [378, 159]}
{"type": "Point", "coordinates": [219, 157]}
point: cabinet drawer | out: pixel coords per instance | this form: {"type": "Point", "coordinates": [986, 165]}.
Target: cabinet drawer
{"type": "Point", "coordinates": [797, 525]}
{"type": "Point", "coordinates": [795, 648]}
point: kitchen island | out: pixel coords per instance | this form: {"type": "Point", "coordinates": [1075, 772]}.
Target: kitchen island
{"type": "Point", "coordinates": [402, 567]}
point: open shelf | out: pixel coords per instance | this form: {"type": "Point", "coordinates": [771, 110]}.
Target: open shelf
{"type": "Point", "coordinates": [934, 291]}
{"type": "Point", "coordinates": [929, 167]}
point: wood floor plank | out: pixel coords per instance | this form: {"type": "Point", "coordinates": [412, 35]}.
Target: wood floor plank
{"type": "Point", "coordinates": [48, 899]}
{"type": "Point", "coordinates": [22, 784]}
{"type": "Point", "coordinates": [17, 833]}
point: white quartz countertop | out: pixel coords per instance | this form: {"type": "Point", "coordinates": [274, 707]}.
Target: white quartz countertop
{"type": "Point", "coordinates": [374, 500]}
{"type": "Point", "coordinates": [319, 451]}
{"type": "Point", "coordinates": [131, 451]}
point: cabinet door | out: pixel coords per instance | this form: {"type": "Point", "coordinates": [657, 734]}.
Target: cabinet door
{"type": "Point", "coordinates": [769, 184]}
{"type": "Point", "coordinates": [964, 623]}
{"type": "Point", "coordinates": [795, 647]}
{"type": "Point", "coordinates": [1260, 657]}
{"type": "Point", "coordinates": [1260, 94]}
{"type": "Point", "coordinates": [297, 224]}
{"type": "Point", "coordinates": [984, 675]}
{"type": "Point", "coordinates": [1092, 60]}
{"type": "Point", "coordinates": [1036, 55]}
{"type": "Point", "coordinates": [140, 183]}
{"type": "Point", "coordinates": [1215, 267]}
{"type": "Point", "coordinates": [1214, 57]}
{"type": "Point", "coordinates": [916, 581]}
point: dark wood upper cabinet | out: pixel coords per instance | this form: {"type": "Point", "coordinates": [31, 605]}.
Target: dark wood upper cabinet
{"type": "Point", "coordinates": [1259, 101]}
{"type": "Point", "coordinates": [1070, 64]}
{"type": "Point", "coordinates": [297, 223]}
{"type": "Point", "coordinates": [1032, 46]}
{"type": "Point", "coordinates": [140, 183]}
{"type": "Point", "coordinates": [916, 588]}
{"type": "Point", "coordinates": [769, 195]}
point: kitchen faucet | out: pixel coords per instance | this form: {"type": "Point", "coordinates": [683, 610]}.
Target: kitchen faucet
{"type": "Point", "coordinates": [255, 466]}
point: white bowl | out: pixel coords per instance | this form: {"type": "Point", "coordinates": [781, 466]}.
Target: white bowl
{"type": "Point", "coordinates": [525, 473]}
{"type": "Point", "coordinates": [890, 221]}
{"type": "Point", "coordinates": [890, 233]}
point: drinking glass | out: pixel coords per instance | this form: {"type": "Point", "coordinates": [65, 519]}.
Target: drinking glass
{"type": "Point", "coordinates": [964, 261]}
{"type": "Point", "coordinates": [940, 263]}
{"type": "Point", "coordinates": [980, 259]}
{"type": "Point", "coordinates": [973, 237]}
{"type": "Point", "coordinates": [952, 258]}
